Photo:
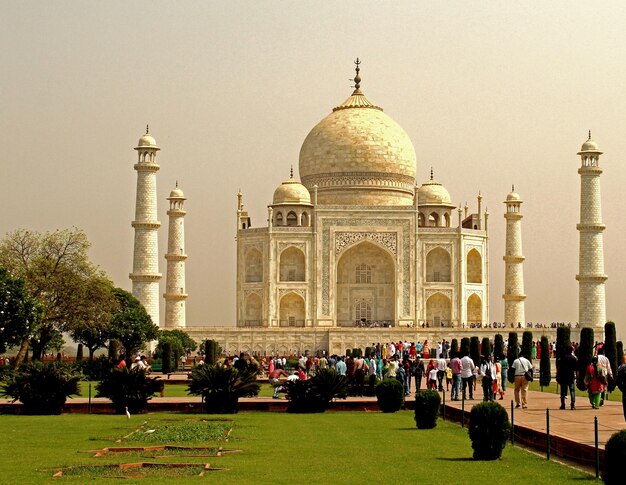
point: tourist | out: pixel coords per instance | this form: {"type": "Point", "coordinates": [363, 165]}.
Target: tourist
{"type": "Point", "coordinates": [595, 380]}
{"type": "Point", "coordinates": [418, 372]}
{"type": "Point", "coordinates": [407, 367]}
{"type": "Point", "coordinates": [504, 371]}
{"type": "Point", "coordinates": [372, 372]}
{"type": "Point", "coordinates": [121, 364]}
{"type": "Point", "coordinates": [412, 351]}
{"type": "Point", "coordinates": [487, 372]}
{"type": "Point", "coordinates": [183, 361]}
{"type": "Point", "coordinates": [392, 368]}
{"type": "Point", "coordinates": [455, 368]}
{"type": "Point", "coordinates": [274, 379]}
{"type": "Point", "coordinates": [145, 366]}
{"type": "Point", "coordinates": [241, 364]}
{"type": "Point", "coordinates": [497, 383]}
{"type": "Point", "coordinates": [620, 380]}
{"type": "Point", "coordinates": [566, 376]}
{"type": "Point", "coordinates": [467, 375]}
{"type": "Point", "coordinates": [341, 367]}
{"type": "Point", "coordinates": [432, 378]}
{"type": "Point", "coordinates": [323, 362]}
{"type": "Point", "coordinates": [360, 368]}
{"type": "Point", "coordinates": [441, 370]}
{"type": "Point", "coordinates": [426, 349]}
{"type": "Point", "coordinates": [521, 366]}
{"type": "Point", "coordinates": [448, 377]}
{"type": "Point", "coordinates": [401, 376]}
{"type": "Point", "coordinates": [604, 362]}
{"type": "Point", "coordinates": [136, 364]}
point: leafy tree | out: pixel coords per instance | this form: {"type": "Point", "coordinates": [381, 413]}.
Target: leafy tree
{"type": "Point", "coordinates": [19, 312]}
{"type": "Point", "coordinates": [545, 371]}
{"type": "Point", "coordinates": [527, 342]}
{"type": "Point", "coordinates": [188, 344]}
{"type": "Point", "coordinates": [91, 327]}
{"type": "Point", "coordinates": [130, 324]}
{"type": "Point", "coordinates": [610, 350]}
{"type": "Point", "coordinates": [55, 269]}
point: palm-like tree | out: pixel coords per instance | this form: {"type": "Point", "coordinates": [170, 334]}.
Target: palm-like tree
{"type": "Point", "coordinates": [221, 387]}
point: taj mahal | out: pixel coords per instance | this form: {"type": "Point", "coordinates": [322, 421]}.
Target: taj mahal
{"type": "Point", "coordinates": [358, 250]}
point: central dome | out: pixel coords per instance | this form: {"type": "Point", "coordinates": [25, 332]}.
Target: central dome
{"type": "Point", "coordinates": [358, 155]}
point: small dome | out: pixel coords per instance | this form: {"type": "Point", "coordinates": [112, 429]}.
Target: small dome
{"type": "Point", "coordinates": [433, 193]}
{"type": "Point", "coordinates": [589, 146]}
{"type": "Point", "coordinates": [291, 192]}
{"type": "Point", "coordinates": [147, 140]}
{"type": "Point", "coordinates": [513, 197]}
{"type": "Point", "coordinates": [176, 193]}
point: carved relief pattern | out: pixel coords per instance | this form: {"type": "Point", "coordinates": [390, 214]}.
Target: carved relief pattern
{"type": "Point", "coordinates": [247, 293]}
{"type": "Point", "coordinates": [477, 247]}
{"type": "Point", "coordinates": [285, 245]}
{"type": "Point", "coordinates": [257, 246]}
{"type": "Point", "coordinates": [345, 239]}
{"type": "Point", "coordinates": [406, 256]}
{"type": "Point", "coordinates": [469, 293]}
{"type": "Point", "coordinates": [431, 292]}
{"type": "Point", "coordinates": [430, 246]}
{"type": "Point", "coordinates": [283, 291]}
{"type": "Point", "coordinates": [368, 179]}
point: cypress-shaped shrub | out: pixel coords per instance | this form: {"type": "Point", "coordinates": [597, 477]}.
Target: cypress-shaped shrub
{"type": "Point", "coordinates": [485, 347]}
{"type": "Point", "coordinates": [584, 354]}
{"type": "Point", "coordinates": [545, 371]}
{"type": "Point", "coordinates": [489, 429]}
{"type": "Point", "coordinates": [614, 458]}
{"type": "Point", "coordinates": [465, 346]}
{"type": "Point", "coordinates": [610, 351]}
{"type": "Point", "coordinates": [390, 395]}
{"type": "Point", "coordinates": [42, 388]}
{"type": "Point", "coordinates": [166, 357]}
{"type": "Point", "coordinates": [475, 350]}
{"type": "Point", "coordinates": [620, 352]}
{"type": "Point", "coordinates": [511, 355]}
{"type": "Point", "coordinates": [114, 350]}
{"type": "Point", "coordinates": [427, 409]}
{"type": "Point", "coordinates": [527, 343]}
{"type": "Point", "coordinates": [563, 335]}
{"type": "Point", "coordinates": [498, 346]}
{"type": "Point", "coordinates": [454, 348]}
{"type": "Point", "coordinates": [211, 351]}
{"type": "Point", "coordinates": [357, 352]}
{"type": "Point", "coordinates": [127, 387]}
{"type": "Point", "coordinates": [79, 353]}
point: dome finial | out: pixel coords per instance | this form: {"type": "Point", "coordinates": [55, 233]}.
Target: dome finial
{"type": "Point", "coordinates": [589, 134]}
{"type": "Point", "coordinates": [357, 78]}
{"type": "Point", "coordinates": [147, 129]}
{"type": "Point", "coordinates": [432, 177]}
{"type": "Point", "coordinates": [177, 184]}
{"type": "Point", "coordinates": [512, 187]}
{"type": "Point", "coordinates": [291, 172]}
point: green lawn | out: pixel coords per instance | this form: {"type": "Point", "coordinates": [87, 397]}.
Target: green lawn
{"type": "Point", "coordinates": [171, 390]}
{"type": "Point", "coordinates": [341, 447]}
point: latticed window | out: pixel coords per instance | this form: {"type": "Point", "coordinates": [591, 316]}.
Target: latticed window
{"type": "Point", "coordinates": [436, 276]}
{"type": "Point", "coordinates": [363, 273]}
{"type": "Point", "coordinates": [363, 311]}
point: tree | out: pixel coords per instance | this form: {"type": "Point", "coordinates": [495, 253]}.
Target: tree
{"type": "Point", "coordinates": [91, 327]}
{"type": "Point", "coordinates": [498, 347]}
{"type": "Point", "coordinates": [19, 312]}
{"type": "Point", "coordinates": [562, 341]}
{"type": "Point", "coordinates": [620, 352]}
{"type": "Point", "coordinates": [511, 355]}
{"type": "Point", "coordinates": [475, 350]}
{"type": "Point", "coordinates": [545, 372]}
{"type": "Point", "coordinates": [610, 350]}
{"type": "Point", "coordinates": [527, 342]}
{"type": "Point", "coordinates": [584, 354]}
{"type": "Point", "coordinates": [465, 346]}
{"type": "Point", "coordinates": [187, 343]}
{"type": "Point", "coordinates": [130, 324]}
{"type": "Point", "coordinates": [454, 348]}
{"type": "Point", "coordinates": [485, 346]}
{"type": "Point", "coordinates": [55, 268]}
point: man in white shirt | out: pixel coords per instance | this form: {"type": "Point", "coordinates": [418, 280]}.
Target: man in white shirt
{"type": "Point", "coordinates": [488, 374]}
{"type": "Point", "coordinates": [521, 366]}
{"type": "Point", "coordinates": [467, 375]}
{"type": "Point", "coordinates": [441, 370]}
{"type": "Point", "coordinates": [604, 362]}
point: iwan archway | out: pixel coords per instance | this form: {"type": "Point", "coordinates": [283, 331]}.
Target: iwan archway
{"type": "Point", "coordinates": [365, 291]}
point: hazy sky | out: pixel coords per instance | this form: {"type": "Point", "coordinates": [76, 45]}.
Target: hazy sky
{"type": "Point", "coordinates": [491, 93]}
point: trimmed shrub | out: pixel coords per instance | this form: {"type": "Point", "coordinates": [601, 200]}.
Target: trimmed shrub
{"type": "Point", "coordinates": [498, 347]}
{"type": "Point", "coordinates": [42, 388]}
{"type": "Point", "coordinates": [131, 388]}
{"type": "Point", "coordinates": [166, 357]}
{"type": "Point", "coordinates": [222, 387]}
{"type": "Point", "coordinates": [454, 348]}
{"type": "Point", "coordinates": [562, 341]}
{"type": "Point", "coordinates": [211, 351]}
{"type": "Point", "coordinates": [584, 354]}
{"type": "Point", "coordinates": [489, 429]}
{"type": "Point", "coordinates": [527, 343]}
{"type": "Point", "coordinates": [610, 351]}
{"type": "Point", "coordinates": [485, 347]}
{"type": "Point", "coordinates": [545, 371]}
{"type": "Point", "coordinates": [390, 395]}
{"type": "Point", "coordinates": [620, 352]}
{"type": "Point", "coordinates": [427, 409]}
{"type": "Point", "coordinates": [314, 395]}
{"type": "Point", "coordinates": [614, 458]}
{"type": "Point", "coordinates": [475, 350]}
{"type": "Point", "coordinates": [512, 354]}
{"type": "Point", "coordinates": [465, 346]}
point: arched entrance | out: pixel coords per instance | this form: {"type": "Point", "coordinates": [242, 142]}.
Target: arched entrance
{"type": "Point", "coordinates": [292, 313]}
{"type": "Point", "coordinates": [254, 311]}
{"type": "Point", "coordinates": [474, 267]}
{"type": "Point", "coordinates": [365, 287]}
{"type": "Point", "coordinates": [438, 265]}
{"type": "Point", "coordinates": [438, 310]}
{"type": "Point", "coordinates": [474, 309]}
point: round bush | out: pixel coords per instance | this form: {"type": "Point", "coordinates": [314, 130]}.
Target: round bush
{"type": "Point", "coordinates": [489, 428]}
{"type": "Point", "coordinates": [130, 388]}
{"type": "Point", "coordinates": [614, 458]}
{"type": "Point", "coordinates": [427, 409]}
{"type": "Point", "coordinates": [390, 395]}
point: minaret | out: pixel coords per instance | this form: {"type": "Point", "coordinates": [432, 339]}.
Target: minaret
{"type": "Point", "coordinates": [514, 262]}
{"type": "Point", "coordinates": [591, 277]}
{"type": "Point", "coordinates": [175, 295]}
{"type": "Point", "coordinates": [145, 275]}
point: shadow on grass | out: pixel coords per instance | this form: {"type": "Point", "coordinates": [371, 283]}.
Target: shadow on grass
{"type": "Point", "coordinates": [464, 458]}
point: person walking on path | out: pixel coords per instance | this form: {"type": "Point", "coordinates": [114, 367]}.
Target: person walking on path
{"type": "Point", "coordinates": [456, 367]}
{"type": "Point", "coordinates": [467, 375]}
{"type": "Point", "coordinates": [441, 371]}
{"type": "Point", "coordinates": [487, 372]}
{"type": "Point", "coordinates": [418, 372]}
{"type": "Point", "coordinates": [566, 376]}
{"type": "Point", "coordinates": [521, 366]}
{"type": "Point", "coordinates": [595, 380]}
{"type": "Point", "coordinates": [604, 362]}
{"type": "Point", "coordinates": [620, 380]}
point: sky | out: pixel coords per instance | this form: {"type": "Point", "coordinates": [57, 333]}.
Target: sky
{"type": "Point", "coordinates": [490, 93]}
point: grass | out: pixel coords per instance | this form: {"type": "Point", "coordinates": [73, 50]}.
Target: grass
{"type": "Point", "coordinates": [277, 448]}
{"type": "Point", "coordinates": [171, 390]}
{"type": "Point", "coordinates": [168, 432]}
